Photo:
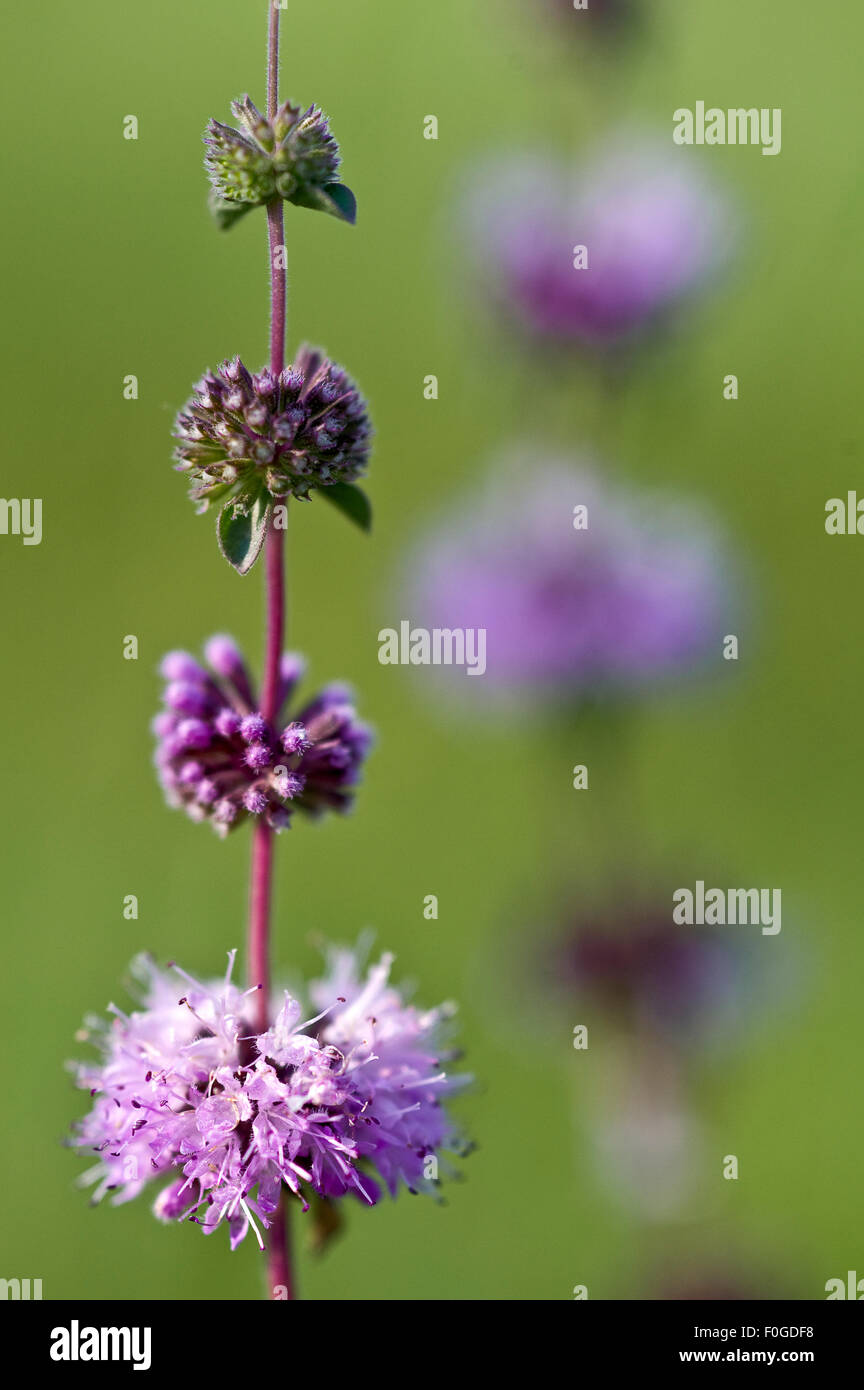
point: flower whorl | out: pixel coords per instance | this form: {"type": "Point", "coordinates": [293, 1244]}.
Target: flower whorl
{"type": "Point", "coordinates": [185, 1089]}
{"type": "Point", "coordinates": [293, 156]}
{"type": "Point", "coordinates": [220, 760]}
{"type": "Point", "coordinates": [306, 428]}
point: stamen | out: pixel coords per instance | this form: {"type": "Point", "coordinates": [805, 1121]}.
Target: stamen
{"type": "Point", "coordinates": [308, 1024]}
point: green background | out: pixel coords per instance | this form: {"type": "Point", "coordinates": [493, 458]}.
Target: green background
{"type": "Point", "coordinates": [112, 267]}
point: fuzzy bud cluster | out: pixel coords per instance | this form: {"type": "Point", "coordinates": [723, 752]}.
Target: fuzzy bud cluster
{"type": "Point", "coordinates": [306, 428]}
{"type": "Point", "coordinates": [220, 760]}
{"type": "Point", "coordinates": [293, 156]}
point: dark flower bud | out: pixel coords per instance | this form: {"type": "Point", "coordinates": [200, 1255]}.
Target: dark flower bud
{"type": "Point", "coordinates": [247, 440]}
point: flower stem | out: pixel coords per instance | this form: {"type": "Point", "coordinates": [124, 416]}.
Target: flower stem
{"type": "Point", "coordinates": [275, 212]}
{"type": "Point", "coordinates": [273, 59]}
{"type": "Point", "coordinates": [278, 284]}
{"type": "Point", "coordinates": [279, 1276]}
{"type": "Point", "coordinates": [260, 896]}
{"type": "Point", "coordinates": [275, 602]}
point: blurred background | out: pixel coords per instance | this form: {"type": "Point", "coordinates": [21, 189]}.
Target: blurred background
{"type": "Point", "coordinates": [602, 1167]}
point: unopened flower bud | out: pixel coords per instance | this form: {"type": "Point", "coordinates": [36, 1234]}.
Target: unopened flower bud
{"type": "Point", "coordinates": [307, 429]}
{"type": "Point", "coordinates": [293, 157]}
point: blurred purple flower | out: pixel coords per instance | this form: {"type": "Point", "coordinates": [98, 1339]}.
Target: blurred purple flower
{"type": "Point", "coordinates": [184, 1089]}
{"type": "Point", "coordinates": [713, 1286]}
{"type": "Point", "coordinates": [654, 229]}
{"type": "Point", "coordinates": [640, 595]}
{"type": "Point", "coordinates": [601, 16]}
{"type": "Point", "coordinates": [647, 1142]}
{"type": "Point", "coordinates": [650, 975]}
{"type": "Point", "coordinates": [220, 760]}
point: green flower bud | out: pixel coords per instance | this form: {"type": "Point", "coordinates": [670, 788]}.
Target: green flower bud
{"type": "Point", "coordinates": [293, 157]}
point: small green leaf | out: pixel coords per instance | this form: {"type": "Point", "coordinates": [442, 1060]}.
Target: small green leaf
{"type": "Point", "coordinates": [209, 496]}
{"type": "Point", "coordinates": [241, 528]}
{"type": "Point", "coordinates": [335, 199]}
{"type": "Point", "coordinates": [351, 500]}
{"type": "Point", "coordinates": [226, 212]}
{"type": "Point", "coordinates": [345, 204]}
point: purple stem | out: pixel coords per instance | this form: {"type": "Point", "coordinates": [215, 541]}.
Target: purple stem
{"type": "Point", "coordinates": [278, 284]}
{"type": "Point", "coordinates": [275, 581]}
{"type": "Point", "coordinates": [273, 61]}
{"type": "Point", "coordinates": [279, 1274]}
{"type": "Point", "coordinates": [275, 213]}
{"type": "Point", "coordinates": [279, 1271]}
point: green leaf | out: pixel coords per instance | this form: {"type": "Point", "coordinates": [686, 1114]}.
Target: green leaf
{"type": "Point", "coordinates": [241, 528]}
{"type": "Point", "coordinates": [227, 213]}
{"type": "Point", "coordinates": [344, 202]}
{"type": "Point", "coordinates": [335, 199]}
{"type": "Point", "coordinates": [220, 492]}
{"type": "Point", "coordinates": [351, 500]}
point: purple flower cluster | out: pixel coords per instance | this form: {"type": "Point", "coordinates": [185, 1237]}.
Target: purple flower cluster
{"type": "Point", "coordinates": [636, 966]}
{"type": "Point", "coordinates": [306, 428]}
{"type": "Point", "coordinates": [652, 229]}
{"type": "Point", "coordinates": [607, 14]}
{"type": "Point", "coordinates": [221, 761]}
{"type": "Point", "coordinates": [184, 1089]}
{"type": "Point", "coordinates": [639, 595]}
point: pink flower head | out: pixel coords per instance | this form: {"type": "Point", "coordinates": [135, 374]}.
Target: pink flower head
{"type": "Point", "coordinates": [185, 1090]}
{"type": "Point", "coordinates": [653, 230]}
{"type": "Point", "coordinates": [639, 595]}
{"type": "Point", "coordinates": [221, 761]}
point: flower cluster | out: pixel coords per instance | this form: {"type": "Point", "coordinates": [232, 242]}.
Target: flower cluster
{"type": "Point", "coordinates": [293, 157]}
{"type": "Point", "coordinates": [306, 428]}
{"type": "Point", "coordinates": [221, 761]}
{"type": "Point", "coordinates": [642, 971]}
{"type": "Point", "coordinates": [185, 1089]}
{"type": "Point", "coordinates": [605, 15]}
{"type": "Point", "coordinates": [638, 594]}
{"type": "Point", "coordinates": [653, 232]}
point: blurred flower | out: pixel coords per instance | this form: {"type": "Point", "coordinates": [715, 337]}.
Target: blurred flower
{"type": "Point", "coordinates": [294, 157]}
{"type": "Point", "coordinates": [712, 1284]}
{"type": "Point", "coordinates": [662, 997]}
{"type": "Point", "coordinates": [598, 16]}
{"type": "Point", "coordinates": [185, 1089]}
{"type": "Point", "coordinates": [649, 975]}
{"type": "Point", "coordinates": [646, 1142]}
{"type": "Point", "coordinates": [238, 433]}
{"type": "Point", "coordinates": [221, 761]}
{"type": "Point", "coordinates": [638, 596]}
{"type": "Point", "coordinates": [653, 232]}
